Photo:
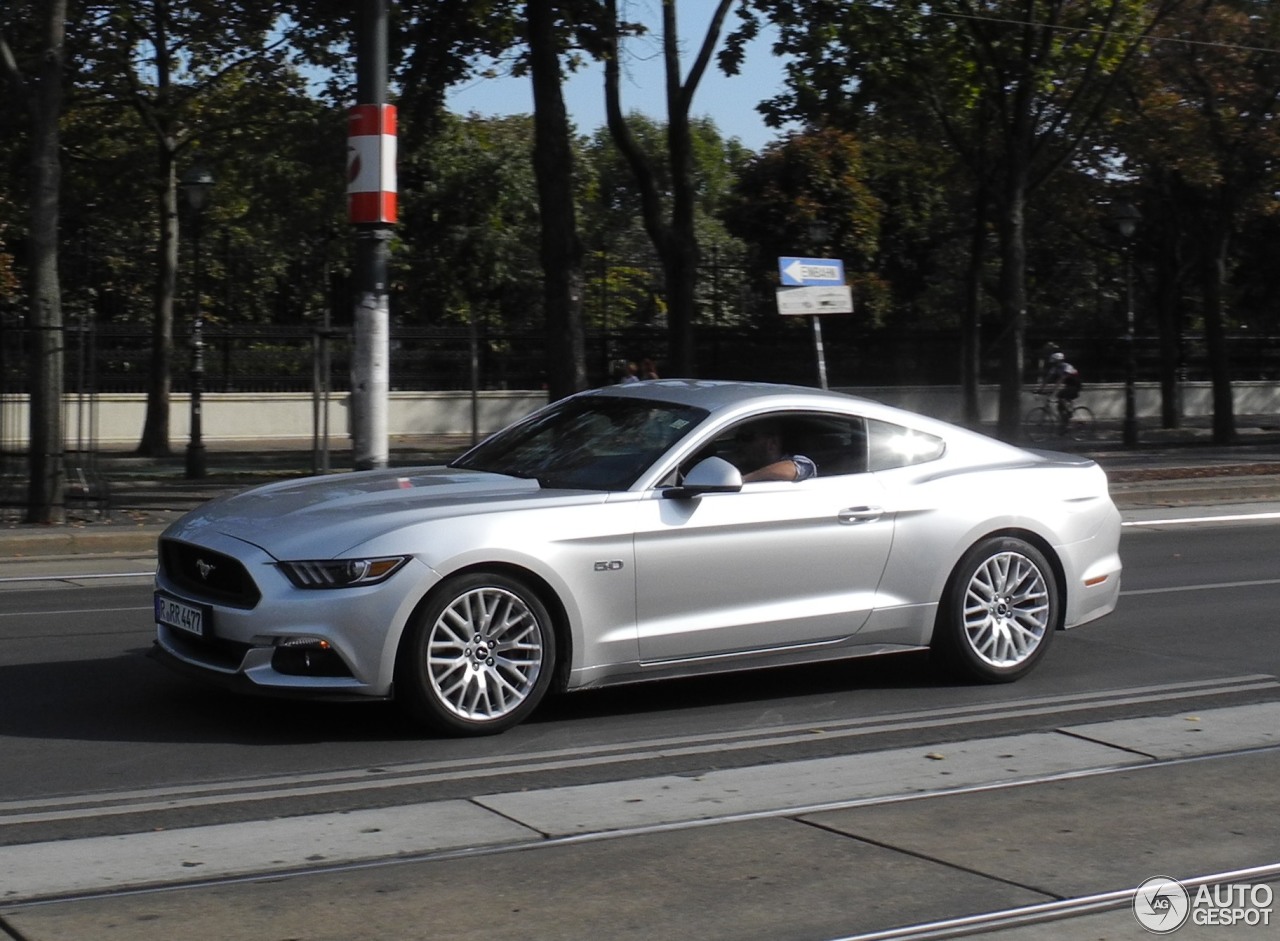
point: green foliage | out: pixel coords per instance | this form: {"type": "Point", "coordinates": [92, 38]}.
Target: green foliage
{"type": "Point", "coordinates": [8, 279]}
{"type": "Point", "coordinates": [621, 294]}
{"type": "Point", "coordinates": [611, 210]}
{"type": "Point", "coordinates": [625, 279]}
{"type": "Point", "coordinates": [470, 216]}
{"type": "Point", "coordinates": [919, 120]}
{"type": "Point", "coordinates": [278, 209]}
{"type": "Point", "coordinates": [965, 113]}
{"type": "Point", "coordinates": [1201, 140]}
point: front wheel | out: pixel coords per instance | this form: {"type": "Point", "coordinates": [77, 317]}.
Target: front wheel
{"type": "Point", "coordinates": [478, 657]}
{"type": "Point", "coordinates": [1040, 424]}
{"type": "Point", "coordinates": [998, 611]}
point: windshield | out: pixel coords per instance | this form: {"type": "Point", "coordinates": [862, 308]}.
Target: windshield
{"type": "Point", "coordinates": [585, 443]}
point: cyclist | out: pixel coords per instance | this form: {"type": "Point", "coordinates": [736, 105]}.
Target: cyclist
{"type": "Point", "coordinates": [1064, 382]}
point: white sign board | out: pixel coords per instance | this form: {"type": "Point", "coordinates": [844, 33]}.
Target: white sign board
{"type": "Point", "coordinates": [803, 301]}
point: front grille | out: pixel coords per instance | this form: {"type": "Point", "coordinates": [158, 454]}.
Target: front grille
{"type": "Point", "coordinates": [207, 575]}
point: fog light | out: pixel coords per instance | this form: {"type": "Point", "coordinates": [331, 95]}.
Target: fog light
{"type": "Point", "coordinates": [303, 642]}
{"type": "Point", "coordinates": [307, 656]}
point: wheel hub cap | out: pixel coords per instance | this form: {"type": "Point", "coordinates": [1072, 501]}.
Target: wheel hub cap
{"type": "Point", "coordinates": [480, 654]}
{"type": "Point", "coordinates": [1006, 609]}
{"type": "Point", "coordinates": [484, 654]}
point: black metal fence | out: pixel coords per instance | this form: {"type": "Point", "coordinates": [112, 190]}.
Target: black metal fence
{"type": "Point", "coordinates": [115, 359]}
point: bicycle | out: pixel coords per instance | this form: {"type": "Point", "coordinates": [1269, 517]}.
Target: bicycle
{"type": "Point", "coordinates": [1044, 422]}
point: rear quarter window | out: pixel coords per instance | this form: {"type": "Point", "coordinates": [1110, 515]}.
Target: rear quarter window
{"type": "Point", "coordinates": [891, 446]}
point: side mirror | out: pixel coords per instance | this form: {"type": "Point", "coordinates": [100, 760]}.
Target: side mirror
{"type": "Point", "coordinates": [710, 475]}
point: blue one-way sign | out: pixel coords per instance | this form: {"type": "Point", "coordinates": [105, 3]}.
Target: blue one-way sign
{"type": "Point", "coordinates": [798, 272]}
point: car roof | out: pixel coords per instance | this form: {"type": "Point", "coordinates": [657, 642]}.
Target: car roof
{"type": "Point", "coordinates": [720, 397]}
{"type": "Point", "coordinates": [716, 394]}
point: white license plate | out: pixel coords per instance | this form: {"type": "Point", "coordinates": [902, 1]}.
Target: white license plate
{"type": "Point", "coordinates": [177, 614]}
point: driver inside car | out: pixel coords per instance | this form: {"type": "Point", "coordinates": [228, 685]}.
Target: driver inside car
{"type": "Point", "coordinates": [762, 456]}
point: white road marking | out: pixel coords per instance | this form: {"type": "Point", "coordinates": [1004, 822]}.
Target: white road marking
{"type": "Point", "coordinates": [1184, 520]}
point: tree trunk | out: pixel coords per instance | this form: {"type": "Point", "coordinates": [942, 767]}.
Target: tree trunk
{"type": "Point", "coordinates": [46, 491]}
{"type": "Point", "coordinates": [680, 266]}
{"type": "Point", "coordinates": [560, 246]}
{"type": "Point", "coordinates": [155, 428]}
{"type": "Point", "coordinates": [1167, 304]}
{"type": "Point", "coordinates": [680, 260]}
{"type": "Point", "coordinates": [971, 322]}
{"type": "Point", "coordinates": [1224, 422]}
{"type": "Point", "coordinates": [675, 241]}
{"type": "Point", "coordinates": [1013, 306]}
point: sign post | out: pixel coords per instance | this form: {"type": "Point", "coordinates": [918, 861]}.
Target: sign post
{"type": "Point", "coordinates": [371, 203]}
{"type": "Point", "coordinates": [814, 286]}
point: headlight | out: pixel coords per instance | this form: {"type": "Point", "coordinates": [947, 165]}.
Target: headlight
{"type": "Point", "coordinates": [342, 573]}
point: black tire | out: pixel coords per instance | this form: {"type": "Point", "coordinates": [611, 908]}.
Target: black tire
{"type": "Point", "coordinates": [478, 657]}
{"type": "Point", "coordinates": [998, 612]}
{"type": "Point", "coordinates": [1040, 424]}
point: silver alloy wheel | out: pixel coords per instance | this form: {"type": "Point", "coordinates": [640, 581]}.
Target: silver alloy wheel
{"type": "Point", "coordinates": [1006, 609]}
{"type": "Point", "coordinates": [484, 654]}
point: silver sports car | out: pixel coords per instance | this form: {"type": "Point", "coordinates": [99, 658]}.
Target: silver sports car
{"type": "Point", "coordinates": [642, 531]}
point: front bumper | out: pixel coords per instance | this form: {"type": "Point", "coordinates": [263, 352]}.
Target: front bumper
{"type": "Point", "coordinates": [238, 682]}
{"type": "Point", "coordinates": [308, 643]}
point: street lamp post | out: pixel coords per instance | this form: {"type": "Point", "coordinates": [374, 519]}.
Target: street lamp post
{"type": "Point", "coordinates": [197, 187]}
{"type": "Point", "coordinates": [1124, 218]}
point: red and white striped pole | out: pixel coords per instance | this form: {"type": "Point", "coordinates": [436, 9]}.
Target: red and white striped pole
{"type": "Point", "coordinates": [371, 198]}
{"type": "Point", "coordinates": [371, 164]}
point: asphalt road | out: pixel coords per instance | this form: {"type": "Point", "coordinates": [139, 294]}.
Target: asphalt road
{"type": "Point", "coordinates": [814, 803]}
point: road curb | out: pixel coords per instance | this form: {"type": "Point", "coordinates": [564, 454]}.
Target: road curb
{"type": "Point", "coordinates": [1191, 492]}
{"type": "Point", "coordinates": [28, 546]}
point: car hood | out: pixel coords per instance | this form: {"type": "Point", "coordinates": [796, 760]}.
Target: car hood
{"type": "Point", "coordinates": [323, 517]}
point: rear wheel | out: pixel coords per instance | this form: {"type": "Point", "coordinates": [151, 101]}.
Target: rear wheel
{"type": "Point", "coordinates": [478, 657]}
{"type": "Point", "coordinates": [998, 612]}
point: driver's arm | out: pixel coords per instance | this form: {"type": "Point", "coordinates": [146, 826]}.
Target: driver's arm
{"type": "Point", "coordinates": [778, 470]}
{"type": "Point", "coordinates": [794, 468]}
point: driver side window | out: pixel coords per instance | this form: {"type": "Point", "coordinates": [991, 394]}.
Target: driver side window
{"type": "Point", "coordinates": [836, 444]}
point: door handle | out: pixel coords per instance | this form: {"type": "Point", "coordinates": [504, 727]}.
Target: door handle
{"type": "Point", "coordinates": [859, 514]}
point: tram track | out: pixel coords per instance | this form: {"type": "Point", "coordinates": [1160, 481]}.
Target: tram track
{"type": "Point", "coordinates": [85, 806]}
{"type": "Point", "coordinates": [1055, 909]}
{"type": "Point", "coordinates": [1058, 910]}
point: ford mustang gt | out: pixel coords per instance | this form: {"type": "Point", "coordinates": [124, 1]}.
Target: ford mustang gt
{"type": "Point", "coordinates": [637, 532]}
